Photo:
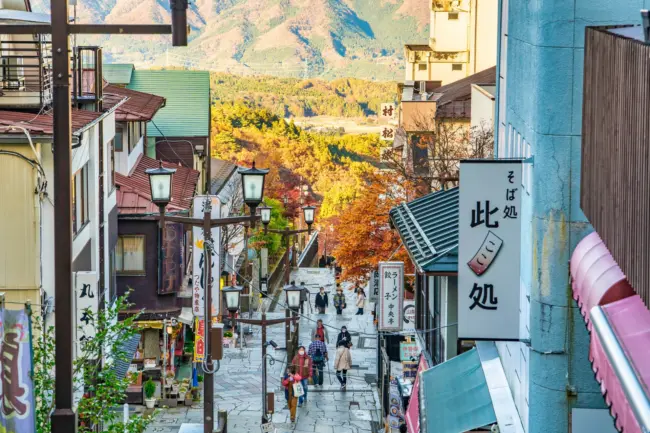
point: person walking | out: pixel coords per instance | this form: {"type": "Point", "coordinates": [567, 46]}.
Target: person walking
{"type": "Point", "coordinates": [339, 300]}
{"type": "Point", "coordinates": [304, 367]}
{"type": "Point", "coordinates": [318, 354]}
{"type": "Point", "coordinates": [342, 363]}
{"type": "Point", "coordinates": [361, 301]}
{"type": "Point", "coordinates": [289, 379]}
{"type": "Point", "coordinates": [344, 338]}
{"type": "Point", "coordinates": [320, 330]}
{"type": "Point", "coordinates": [304, 297]}
{"type": "Point", "coordinates": [322, 301]}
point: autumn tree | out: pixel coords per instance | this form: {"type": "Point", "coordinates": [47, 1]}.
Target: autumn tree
{"type": "Point", "coordinates": [362, 234]}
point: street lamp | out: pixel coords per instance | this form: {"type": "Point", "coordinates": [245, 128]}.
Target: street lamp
{"type": "Point", "coordinates": [160, 182]}
{"type": "Point", "coordinates": [232, 297]}
{"type": "Point", "coordinates": [265, 213]}
{"type": "Point", "coordinates": [293, 296]}
{"type": "Point", "coordinates": [308, 212]}
{"type": "Point", "coordinates": [253, 185]}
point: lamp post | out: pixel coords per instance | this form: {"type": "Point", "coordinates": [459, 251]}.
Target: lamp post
{"type": "Point", "coordinates": [64, 418]}
{"type": "Point", "coordinates": [160, 180]}
{"type": "Point", "coordinates": [232, 298]}
{"type": "Point", "coordinates": [265, 216]}
{"type": "Point", "coordinates": [293, 302]}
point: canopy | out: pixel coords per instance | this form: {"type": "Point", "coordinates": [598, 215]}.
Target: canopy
{"type": "Point", "coordinates": [454, 396]}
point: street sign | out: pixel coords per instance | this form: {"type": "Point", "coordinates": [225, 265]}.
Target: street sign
{"type": "Point", "coordinates": [388, 111]}
{"type": "Point", "coordinates": [373, 287]}
{"type": "Point", "coordinates": [198, 274]}
{"type": "Point", "coordinates": [489, 249]}
{"type": "Point", "coordinates": [391, 296]}
{"type": "Point", "coordinates": [387, 133]}
{"type": "Point", "coordinates": [407, 351]}
{"type": "Point", "coordinates": [199, 342]}
{"type": "Point", "coordinates": [268, 428]}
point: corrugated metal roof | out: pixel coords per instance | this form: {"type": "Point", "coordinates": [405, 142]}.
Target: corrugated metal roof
{"type": "Point", "coordinates": [118, 73]}
{"type": "Point", "coordinates": [135, 188]}
{"type": "Point", "coordinates": [138, 106]}
{"type": "Point", "coordinates": [187, 111]}
{"type": "Point", "coordinates": [128, 348]}
{"type": "Point", "coordinates": [455, 99]}
{"type": "Point", "coordinates": [42, 124]}
{"type": "Point", "coordinates": [428, 227]}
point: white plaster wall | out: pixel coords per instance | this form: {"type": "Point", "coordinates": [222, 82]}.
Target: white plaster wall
{"type": "Point", "coordinates": [135, 154]}
{"type": "Point", "coordinates": [122, 158]}
{"type": "Point", "coordinates": [450, 35]}
{"type": "Point", "coordinates": [483, 104]}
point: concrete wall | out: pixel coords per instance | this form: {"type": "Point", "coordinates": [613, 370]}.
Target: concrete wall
{"type": "Point", "coordinates": [450, 35]}
{"type": "Point", "coordinates": [483, 35]}
{"type": "Point", "coordinates": [540, 115]}
{"type": "Point", "coordinates": [483, 106]}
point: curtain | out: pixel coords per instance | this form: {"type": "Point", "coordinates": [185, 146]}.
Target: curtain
{"type": "Point", "coordinates": [130, 253]}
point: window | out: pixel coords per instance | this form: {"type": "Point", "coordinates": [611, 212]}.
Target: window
{"type": "Point", "coordinates": [80, 211]}
{"type": "Point", "coordinates": [457, 67]}
{"type": "Point", "coordinates": [129, 254]}
{"type": "Point", "coordinates": [135, 132]}
{"type": "Point", "coordinates": [452, 15]}
{"type": "Point", "coordinates": [111, 167]}
{"type": "Point", "coordinates": [422, 66]}
{"type": "Point", "coordinates": [118, 139]}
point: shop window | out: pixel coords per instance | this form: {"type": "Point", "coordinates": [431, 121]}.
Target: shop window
{"type": "Point", "coordinates": [130, 254]}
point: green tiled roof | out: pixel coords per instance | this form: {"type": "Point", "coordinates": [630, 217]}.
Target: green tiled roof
{"type": "Point", "coordinates": [187, 110]}
{"type": "Point", "coordinates": [117, 73]}
{"type": "Point", "coordinates": [428, 227]}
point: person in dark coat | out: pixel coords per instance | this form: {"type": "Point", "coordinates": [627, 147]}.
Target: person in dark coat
{"type": "Point", "coordinates": [322, 301]}
{"type": "Point", "coordinates": [344, 338]}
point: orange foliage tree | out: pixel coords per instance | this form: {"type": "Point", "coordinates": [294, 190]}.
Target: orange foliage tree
{"type": "Point", "coordinates": [363, 236]}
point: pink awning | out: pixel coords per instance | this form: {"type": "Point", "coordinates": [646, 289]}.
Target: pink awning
{"type": "Point", "coordinates": [596, 278]}
{"type": "Point", "coordinates": [413, 410]}
{"type": "Point", "coordinates": [620, 353]}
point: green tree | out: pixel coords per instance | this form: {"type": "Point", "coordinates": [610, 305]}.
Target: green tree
{"type": "Point", "coordinates": [94, 372]}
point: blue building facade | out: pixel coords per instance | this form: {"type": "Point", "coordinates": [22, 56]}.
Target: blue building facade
{"type": "Point", "coordinates": [540, 86]}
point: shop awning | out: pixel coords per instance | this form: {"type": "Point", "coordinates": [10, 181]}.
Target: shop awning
{"type": "Point", "coordinates": [428, 227]}
{"type": "Point", "coordinates": [620, 350]}
{"type": "Point", "coordinates": [619, 325]}
{"type": "Point", "coordinates": [454, 396]}
{"type": "Point", "coordinates": [412, 415]}
{"type": "Point", "coordinates": [596, 278]}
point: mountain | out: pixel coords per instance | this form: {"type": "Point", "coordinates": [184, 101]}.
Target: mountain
{"type": "Point", "coordinates": [300, 38]}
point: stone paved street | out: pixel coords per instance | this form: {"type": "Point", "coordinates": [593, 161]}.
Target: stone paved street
{"type": "Point", "coordinates": [238, 384]}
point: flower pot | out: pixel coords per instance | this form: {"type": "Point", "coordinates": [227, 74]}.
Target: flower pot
{"type": "Point", "coordinates": [150, 403]}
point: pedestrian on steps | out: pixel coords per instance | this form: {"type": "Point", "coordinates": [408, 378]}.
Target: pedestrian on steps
{"type": "Point", "coordinates": [290, 377]}
{"type": "Point", "coordinates": [361, 301]}
{"type": "Point", "coordinates": [303, 364]}
{"type": "Point", "coordinates": [339, 300]}
{"type": "Point", "coordinates": [344, 338]}
{"type": "Point", "coordinates": [318, 354]}
{"type": "Point", "coordinates": [320, 330]}
{"type": "Point", "coordinates": [342, 363]}
{"type": "Point", "coordinates": [322, 301]}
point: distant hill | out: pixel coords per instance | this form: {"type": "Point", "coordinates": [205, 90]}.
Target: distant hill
{"type": "Point", "coordinates": [299, 38]}
{"type": "Point", "coordinates": [293, 97]}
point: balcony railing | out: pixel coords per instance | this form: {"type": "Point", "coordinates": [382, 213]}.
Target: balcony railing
{"type": "Point", "coordinates": [26, 72]}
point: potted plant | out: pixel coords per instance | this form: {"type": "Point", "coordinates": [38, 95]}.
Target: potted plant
{"type": "Point", "coordinates": [170, 378]}
{"type": "Point", "coordinates": [149, 391]}
{"type": "Point", "coordinates": [195, 393]}
{"type": "Point", "coordinates": [227, 338]}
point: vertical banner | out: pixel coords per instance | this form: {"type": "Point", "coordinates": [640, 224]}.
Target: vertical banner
{"type": "Point", "coordinates": [86, 306]}
{"type": "Point", "coordinates": [198, 273]}
{"type": "Point", "coordinates": [388, 111]}
{"type": "Point", "coordinates": [199, 342]}
{"type": "Point", "coordinates": [489, 249]}
{"type": "Point", "coordinates": [387, 133]}
{"type": "Point", "coordinates": [391, 292]}
{"type": "Point", "coordinates": [264, 254]}
{"type": "Point", "coordinates": [373, 287]}
{"type": "Point", "coordinates": [172, 260]}
{"type": "Point", "coordinates": [16, 359]}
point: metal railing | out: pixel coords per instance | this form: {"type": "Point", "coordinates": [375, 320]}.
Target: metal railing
{"type": "Point", "coordinates": [26, 67]}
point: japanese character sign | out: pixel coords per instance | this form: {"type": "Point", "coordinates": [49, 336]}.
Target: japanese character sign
{"type": "Point", "coordinates": [373, 287]}
{"type": "Point", "coordinates": [388, 111]}
{"type": "Point", "coordinates": [387, 133]}
{"type": "Point", "coordinates": [17, 391]}
{"type": "Point", "coordinates": [391, 296]}
{"type": "Point", "coordinates": [86, 306]}
{"type": "Point", "coordinates": [489, 249]}
{"type": "Point", "coordinates": [198, 255]}
{"type": "Point", "coordinates": [199, 342]}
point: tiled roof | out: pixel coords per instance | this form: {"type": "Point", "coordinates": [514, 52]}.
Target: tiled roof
{"type": "Point", "coordinates": [138, 106]}
{"type": "Point", "coordinates": [42, 124]}
{"type": "Point", "coordinates": [428, 227]}
{"type": "Point", "coordinates": [454, 99]}
{"type": "Point", "coordinates": [187, 110]}
{"type": "Point", "coordinates": [118, 73]}
{"type": "Point", "coordinates": [135, 190]}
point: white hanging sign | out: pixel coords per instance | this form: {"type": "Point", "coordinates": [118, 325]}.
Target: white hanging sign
{"type": "Point", "coordinates": [198, 273]}
{"type": "Point", "coordinates": [391, 296]}
{"type": "Point", "coordinates": [387, 133]}
{"type": "Point", "coordinates": [489, 249]}
{"type": "Point", "coordinates": [388, 111]}
{"type": "Point", "coordinates": [86, 306]}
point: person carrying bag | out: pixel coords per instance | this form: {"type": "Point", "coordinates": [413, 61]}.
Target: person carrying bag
{"type": "Point", "coordinates": [291, 391]}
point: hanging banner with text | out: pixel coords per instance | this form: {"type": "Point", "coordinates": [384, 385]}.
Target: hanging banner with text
{"type": "Point", "coordinates": [172, 260]}
{"type": "Point", "coordinates": [199, 342]}
{"type": "Point", "coordinates": [489, 249]}
{"type": "Point", "coordinates": [198, 273]}
{"type": "Point", "coordinates": [86, 307]}
{"type": "Point", "coordinates": [391, 295]}
{"type": "Point", "coordinates": [17, 414]}
{"type": "Point", "coordinates": [373, 287]}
